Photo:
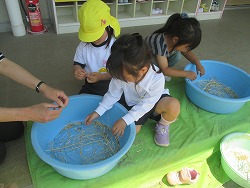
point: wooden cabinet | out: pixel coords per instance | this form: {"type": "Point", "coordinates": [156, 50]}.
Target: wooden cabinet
{"type": "Point", "coordinates": [210, 14]}
{"type": "Point", "coordinates": [132, 12]}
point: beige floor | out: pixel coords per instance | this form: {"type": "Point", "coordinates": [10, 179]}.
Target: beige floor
{"type": "Point", "coordinates": [49, 57]}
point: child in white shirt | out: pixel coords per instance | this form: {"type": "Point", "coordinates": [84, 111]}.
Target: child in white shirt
{"type": "Point", "coordinates": [97, 33]}
{"type": "Point", "coordinates": [134, 75]}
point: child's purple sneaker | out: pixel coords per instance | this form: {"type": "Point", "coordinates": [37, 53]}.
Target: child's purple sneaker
{"type": "Point", "coordinates": [161, 134]}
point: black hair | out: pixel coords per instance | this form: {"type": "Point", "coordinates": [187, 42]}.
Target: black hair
{"type": "Point", "coordinates": [186, 29]}
{"type": "Point", "coordinates": [110, 32]}
{"type": "Point", "coordinates": [129, 52]}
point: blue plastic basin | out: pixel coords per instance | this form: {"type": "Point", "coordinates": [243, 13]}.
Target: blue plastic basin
{"type": "Point", "coordinates": [230, 76]}
{"type": "Point", "coordinates": [78, 108]}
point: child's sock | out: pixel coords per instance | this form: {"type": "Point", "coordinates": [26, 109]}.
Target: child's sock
{"type": "Point", "coordinates": [165, 122]}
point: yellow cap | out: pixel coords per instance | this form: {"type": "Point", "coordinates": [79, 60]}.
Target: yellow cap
{"type": "Point", "coordinates": [94, 17]}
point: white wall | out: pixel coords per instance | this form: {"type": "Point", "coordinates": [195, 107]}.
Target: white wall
{"type": "Point", "coordinates": [4, 17]}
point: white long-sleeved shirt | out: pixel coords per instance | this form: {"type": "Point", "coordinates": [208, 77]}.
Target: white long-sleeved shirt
{"type": "Point", "coordinates": [142, 96]}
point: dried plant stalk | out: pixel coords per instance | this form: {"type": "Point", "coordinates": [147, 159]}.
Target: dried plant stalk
{"type": "Point", "coordinates": [78, 143]}
{"type": "Point", "coordinates": [216, 88]}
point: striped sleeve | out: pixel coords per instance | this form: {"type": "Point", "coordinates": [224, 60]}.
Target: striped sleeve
{"type": "Point", "coordinates": [157, 44]}
{"type": "Point", "coordinates": [1, 56]}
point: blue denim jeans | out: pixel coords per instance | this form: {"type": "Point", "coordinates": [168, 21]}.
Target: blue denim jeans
{"type": "Point", "coordinates": [174, 58]}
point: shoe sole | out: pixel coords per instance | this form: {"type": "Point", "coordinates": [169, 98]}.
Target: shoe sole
{"type": "Point", "coordinates": [163, 145]}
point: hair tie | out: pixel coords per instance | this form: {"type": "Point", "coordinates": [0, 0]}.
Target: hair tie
{"type": "Point", "coordinates": [184, 15]}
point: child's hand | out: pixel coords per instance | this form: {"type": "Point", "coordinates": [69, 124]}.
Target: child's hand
{"type": "Point", "coordinates": [80, 74]}
{"type": "Point", "coordinates": [91, 117]}
{"type": "Point", "coordinates": [191, 75]}
{"type": "Point", "coordinates": [200, 68]}
{"type": "Point", "coordinates": [93, 77]}
{"type": "Point", "coordinates": [118, 127]}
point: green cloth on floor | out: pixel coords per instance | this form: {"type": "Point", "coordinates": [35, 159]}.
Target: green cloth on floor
{"type": "Point", "coordinates": [195, 139]}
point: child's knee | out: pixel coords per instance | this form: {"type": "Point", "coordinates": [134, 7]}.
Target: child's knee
{"type": "Point", "coordinates": [171, 106]}
{"type": "Point", "coordinates": [175, 106]}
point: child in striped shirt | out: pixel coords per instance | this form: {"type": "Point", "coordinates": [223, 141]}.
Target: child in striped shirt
{"type": "Point", "coordinates": [179, 36]}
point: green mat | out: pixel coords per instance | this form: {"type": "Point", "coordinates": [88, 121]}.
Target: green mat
{"type": "Point", "coordinates": [195, 139]}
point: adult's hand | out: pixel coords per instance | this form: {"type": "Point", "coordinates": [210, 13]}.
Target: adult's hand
{"type": "Point", "coordinates": [56, 95]}
{"type": "Point", "coordinates": [43, 112]}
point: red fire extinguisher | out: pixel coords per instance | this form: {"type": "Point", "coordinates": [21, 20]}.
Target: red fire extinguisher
{"type": "Point", "coordinates": [34, 16]}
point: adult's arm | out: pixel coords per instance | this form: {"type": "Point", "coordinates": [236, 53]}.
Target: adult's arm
{"type": "Point", "coordinates": [22, 76]}
{"type": "Point", "coordinates": [40, 113]}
